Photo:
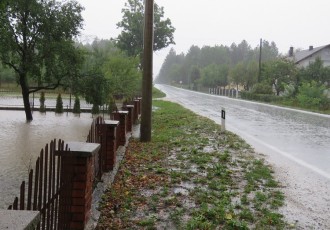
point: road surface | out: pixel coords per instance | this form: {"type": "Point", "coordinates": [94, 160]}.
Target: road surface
{"type": "Point", "coordinates": [296, 143]}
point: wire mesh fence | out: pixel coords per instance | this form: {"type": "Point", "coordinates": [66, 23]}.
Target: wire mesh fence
{"type": "Point", "coordinates": [14, 99]}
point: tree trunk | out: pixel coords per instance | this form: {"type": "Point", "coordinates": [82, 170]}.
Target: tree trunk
{"type": "Point", "coordinates": [25, 94]}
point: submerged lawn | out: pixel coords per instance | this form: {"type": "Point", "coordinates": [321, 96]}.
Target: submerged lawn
{"type": "Point", "coordinates": [191, 176]}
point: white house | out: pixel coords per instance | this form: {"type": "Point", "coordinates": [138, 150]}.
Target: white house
{"type": "Point", "coordinates": [304, 57]}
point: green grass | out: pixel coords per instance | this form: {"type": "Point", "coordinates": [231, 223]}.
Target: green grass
{"type": "Point", "coordinates": [226, 188]}
{"type": "Point", "coordinates": [156, 93]}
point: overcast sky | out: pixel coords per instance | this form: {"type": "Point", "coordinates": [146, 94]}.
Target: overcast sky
{"type": "Point", "coordinates": [297, 23]}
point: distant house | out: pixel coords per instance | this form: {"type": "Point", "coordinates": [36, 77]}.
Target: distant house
{"type": "Point", "coordinates": [304, 57]}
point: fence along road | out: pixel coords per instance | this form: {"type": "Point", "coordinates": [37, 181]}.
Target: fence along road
{"type": "Point", "coordinates": [297, 143]}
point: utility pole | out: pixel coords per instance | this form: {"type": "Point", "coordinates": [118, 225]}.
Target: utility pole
{"type": "Point", "coordinates": [259, 73]}
{"type": "Point", "coordinates": [148, 41]}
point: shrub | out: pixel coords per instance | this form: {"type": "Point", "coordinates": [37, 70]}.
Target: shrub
{"type": "Point", "coordinates": [311, 95]}
{"type": "Point", "coordinates": [262, 88]}
{"type": "Point", "coordinates": [42, 102]}
{"type": "Point", "coordinates": [59, 104]}
{"type": "Point", "coordinates": [95, 109]}
{"type": "Point", "coordinates": [259, 97]}
{"type": "Point", "coordinates": [289, 90]}
{"type": "Point", "coordinates": [76, 105]}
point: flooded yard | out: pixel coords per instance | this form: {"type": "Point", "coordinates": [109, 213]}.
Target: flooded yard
{"type": "Point", "coordinates": [21, 142]}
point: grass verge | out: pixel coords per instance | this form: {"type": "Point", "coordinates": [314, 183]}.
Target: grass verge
{"type": "Point", "coordinates": [191, 176]}
{"type": "Point", "coordinates": [156, 93]}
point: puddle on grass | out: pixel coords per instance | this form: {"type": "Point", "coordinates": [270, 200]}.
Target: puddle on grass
{"type": "Point", "coordinates": [184, 188]}
{"type": "Point", "coordinates": [195, 169]}
{"type": "Point", "coordinates": [181, 191]}
{"type": "Point", "coordinates": [209, 149]}
{"type": "Point", "coordinates": [155, 108]}
{"type": "Point", "coordinates": [150, 192]}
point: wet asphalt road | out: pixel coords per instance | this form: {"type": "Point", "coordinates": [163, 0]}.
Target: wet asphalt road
{"type": "Point", "coordinates": [294, 135]}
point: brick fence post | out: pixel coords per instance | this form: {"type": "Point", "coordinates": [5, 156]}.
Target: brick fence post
{"type": "Point", "coordinates": [121, 116]}
{"type": "Point", "coordinates": [77, 173]}
{"type": "Point", "coordinates": [109, 143]}
{"type": "Point", "coordinates": [139, 104]}
{"type": "Point", "coordinates": [130, 117]}
{"type": "Point", "coordinates": [137, 109]}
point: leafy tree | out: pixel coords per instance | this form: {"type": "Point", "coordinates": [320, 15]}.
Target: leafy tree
{"type": "Point", "coordinates": [173, 69]}
{"type": "Point", "coordinates": [236, 74]}
{"type": "Point", "coordinates": [36, 42]}
{"type": "Point", "coordinates": [131, 38]}
{"type": "Point", "coordinates": [97, 53]}
{"type": "Point", "coordinates": [193, 56]}
{"type": "Point", "coordinates": [215, 75]}
{"type": "Point", "coordinates": [251, 75]}
{"type": "Point", "coordinates": [217, 54]}
{"type": "Point", "coordinates": [241, 52]}
{"type": "Point", "coordinates": [269, 51]}
{"type": "Point", "coordinates": [195, 75]}
{"type": "Point", "coordinates": [108, 72]}
{"type": "Point", "coordinates": [7, 75]}
{"type": "Point", "coordinates": [122, 75]}
{"type": "Point", "coordinates": [94, 87]}
{"type": "Point", "coordinates": [278, 73]}
{"type": "Point", "coordinates": [170, 60]}
{"type": "Point", "coordinates": [176, 75]}
{"type": "Point", "coordinates": [244, 74]}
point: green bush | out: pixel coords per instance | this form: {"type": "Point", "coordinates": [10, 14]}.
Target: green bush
{"type": "Point", "coordinates": [259, 97]}
{"type": "Point", "coordinates": [76, 105]}
{"type": "Point", "coordinates": [59, 104]}
{"type": "Point", "coordinates": [311, 95]}
{"type": "Point", "coordinates": [262, 88]}
{"type": "Point", "coordinates": [42, 102]}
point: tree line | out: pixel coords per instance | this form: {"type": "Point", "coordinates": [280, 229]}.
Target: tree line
{"type": "Point", "coordinates": [271, 77]}
{"type": "Point", "coordinates": [211, 66]}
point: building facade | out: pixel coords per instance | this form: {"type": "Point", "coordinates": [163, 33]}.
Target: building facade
{"type": "Point", "coordinates": [304, 57]}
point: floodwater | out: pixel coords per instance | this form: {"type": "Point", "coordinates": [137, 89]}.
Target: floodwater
{"type": "Point", "coordinates": [300, 136]}
{"type": "Point", "coordinates": [21, 142]}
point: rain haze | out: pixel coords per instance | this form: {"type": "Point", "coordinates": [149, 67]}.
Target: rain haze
{"type": "Point", "coordinates": [297, 23]}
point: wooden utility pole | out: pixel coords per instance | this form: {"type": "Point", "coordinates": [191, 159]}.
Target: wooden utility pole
{"type": "Point", "coordinates": [148, 41]}
{"type": "Point", "coordinates": [259, 72]}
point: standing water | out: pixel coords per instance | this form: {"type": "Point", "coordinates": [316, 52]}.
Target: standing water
{"type": "Point", "coordinates": [21, 142]}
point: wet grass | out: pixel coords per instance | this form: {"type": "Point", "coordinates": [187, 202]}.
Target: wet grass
{"type": "Point", "coordinates": [191, 176]}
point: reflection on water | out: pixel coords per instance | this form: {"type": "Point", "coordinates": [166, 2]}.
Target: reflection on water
{"type": "Point", "coordinates": [21, 142]}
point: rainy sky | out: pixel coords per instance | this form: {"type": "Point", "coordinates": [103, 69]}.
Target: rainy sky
{"type": "Point", "coordinates": [297, 23]}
